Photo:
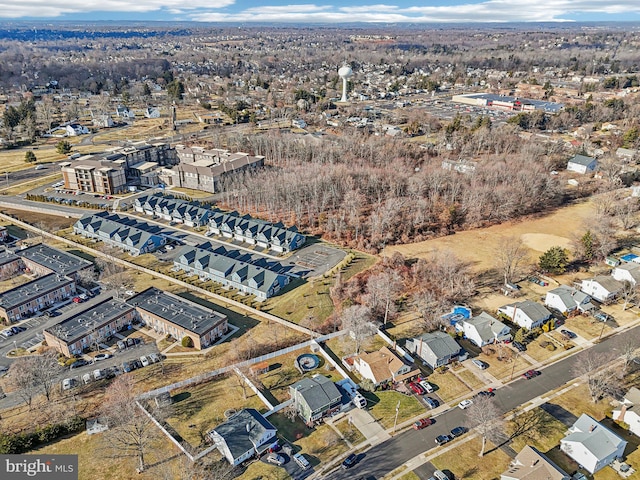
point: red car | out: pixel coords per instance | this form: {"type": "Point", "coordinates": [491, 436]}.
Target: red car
{"type": "Point", "coordinates": [417, 388]}
{"type": "Point", "coordinates": [77, 300]}
{"type": "Point", "coordinates": [422, 423]}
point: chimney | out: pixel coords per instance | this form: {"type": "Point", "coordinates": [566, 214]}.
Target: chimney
{"type": "Point", "coordinates": [592, 428]}
{"type": "Point", "coordinates": [623, 410]}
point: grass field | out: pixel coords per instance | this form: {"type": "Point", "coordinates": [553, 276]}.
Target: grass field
{"type": "Point", "coordinates": [199, 408]}
{"type": "Point", "coordinates": [449, 386]}
{"type": "Point", "coordinates": [383, 407]}
{"type": "Point", "coordinates": [464, 462]}
{"type": "Point", "coordinates": [312, 297]}
{"type": "Point", "coordinates": [478, 246]}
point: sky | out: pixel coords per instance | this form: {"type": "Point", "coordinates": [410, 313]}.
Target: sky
{"type": "Point", "coordinates": [325, 11]}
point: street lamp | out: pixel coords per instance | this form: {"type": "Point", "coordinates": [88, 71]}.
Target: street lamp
{"type": "Point", "coordinates": [395, 422]}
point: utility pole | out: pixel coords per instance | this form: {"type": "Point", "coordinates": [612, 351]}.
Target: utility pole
{"type": "Point", "coordinates": [395, 422]}
{"type": "Point", "coordinates": [515, 360]}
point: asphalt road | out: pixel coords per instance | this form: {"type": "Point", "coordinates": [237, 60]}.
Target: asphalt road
{"type": "Point", "coordinates": [385, 457]}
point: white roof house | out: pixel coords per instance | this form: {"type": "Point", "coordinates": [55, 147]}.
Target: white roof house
{"type": "Point", "coordinates": [603, 288]}
{"type": "Point", "coordinates": [526, 314]}
{"type": "Point", "coordinates": [627, 272]}
{"type": "Point", "coordinates": [582, 164]}
{"type": "Point", "coordinates": [591, 444]}
{"type": "Point", "coordinates": [483, 329]}
{"type": "Point", "coordinates": [567, 299]}
{"type": "Point", "coordinates": [629, 411]}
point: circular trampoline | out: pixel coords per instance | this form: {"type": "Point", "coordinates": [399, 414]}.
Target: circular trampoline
{"type": "Point", "coordinates": [307, 362]}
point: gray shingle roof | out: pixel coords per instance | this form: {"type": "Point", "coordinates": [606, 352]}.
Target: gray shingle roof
{"type": "Point", "coordinates": [439, 344]}
{"type": "Point", "coordinates": [234, 430]}
{"type": "Point", "coordinates": [318, 391]}
{"type": "Point", "coordinates": [596, 438]}
{"type": "Point", "coordinates": [582, 160]}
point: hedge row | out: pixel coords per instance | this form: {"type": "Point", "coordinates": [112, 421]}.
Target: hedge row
{"type": "Point", "coordinates": [23, 442]}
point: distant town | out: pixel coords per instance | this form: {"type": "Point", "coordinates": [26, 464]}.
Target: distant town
{"type": "Point", "coordinates": [331, 252]}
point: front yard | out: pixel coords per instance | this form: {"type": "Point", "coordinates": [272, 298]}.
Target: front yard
{"type": "Point", "coordinates": [383, 407]}
{"type": "Point", "coordinates": [464, 462]}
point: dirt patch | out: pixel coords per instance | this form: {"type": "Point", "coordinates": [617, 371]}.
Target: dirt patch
{"type": "Point", "coordinates": [478, 246]}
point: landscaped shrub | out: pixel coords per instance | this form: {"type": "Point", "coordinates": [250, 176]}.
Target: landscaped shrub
{"type": "Point", "coordinates": [551, 347]}
{"type": "Point", "coordinates": [11, 444]}
{"type": "Point", "coordinates": [187, 342]}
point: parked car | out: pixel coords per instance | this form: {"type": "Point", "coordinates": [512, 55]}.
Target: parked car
{"type": "Point", "coordinates": [121, 345]}
{"type": "Point", "coordinates": [464, 404]}
{"type": "Point", "coordinates": [69, 383]}
{"type": "Point", "coordinates": [275, 459]}
{"type": "Point", "coordinates": [568, 333]}
{"type": "Point", "coordinates": [288, 449]}
{"type": "Point", "coordinates": [416, 388]}
{"type": "Point", "coordinates": [431, 402]}
{"type": "Point", "coordinates": [486, 393]}
{"type": "Point", "coordinates": [422, 423]}
{"type": "Point", "coordinates": [98, 374]}
{"type": "Point", "coordinates": [153, 357]}
{"type": "Point", "coordinates": [426, 385]}
{"type": "Point", "coordinates": [442, 439]}
{"type": "Point", "coordinates": [301, 461]}
{"type": "Point", "coordinates": [529, 374]}
{"type": "Point", "coordinates": [602, 317]}
{"type": "Point", "coordinates": [479, 363]}
{"type": "Point", "coordinates": [521, 347]}
{"type": "Point", "coordinates": [76, 300]}
{"type": "Point", "coordinates": [350, 461]}
{"type": "Point", "coordinates": [144, 361]}
{"type": "Point", "coordinates": [127, 367]}
{"type": "Point", "coordinates": [101, 356]}
{"type": "Point", "coordinates": [78, 364]}
{"type": "Point", "coordinates": [456, 432]}
{"type": "Point", "coordinates": [16, 330]}
{"type": "Point", "coordinates": [6, 333]}
{"type": "Point", "coordinates": [440, 475]}
{"type": "Point", "coordinates": [137, 363]}
{"type": "Point", "coordinates": [86, 378]}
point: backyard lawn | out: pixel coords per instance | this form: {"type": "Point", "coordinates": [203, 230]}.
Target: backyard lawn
{"type": "Point", "coordinates": [384, 403]}
{"type": "Point", "coordinates": [464, 462]}
{"type": "Point", "coordinates": [449, 386]}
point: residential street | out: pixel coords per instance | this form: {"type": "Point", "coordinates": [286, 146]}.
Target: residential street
{"type": "Point", "coordinates": [385, 457]}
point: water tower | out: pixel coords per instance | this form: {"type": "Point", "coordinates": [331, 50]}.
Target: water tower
{"type": "Point", "coordinates": [345, 73]}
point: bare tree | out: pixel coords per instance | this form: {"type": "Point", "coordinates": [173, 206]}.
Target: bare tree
{"type": "Point", "coordinates": [382, 291]}
{"type": "Point", "coordinates": [22, 379]}
{"type": "Point", "coordinates": [628, 349]}
{"type": "Point", "coordinates": [431, 308]}
{"type": "Point", "coordinates": [628, 293]}
{"type": "Point", "coordinates": [510, 256]}
{"type": "Point", "coordinates": [625, 211]}
{"type": "Point", "coordinates": [357, 320]}
{"type": "Point", "coordinates": [46, 370]}
{"type": "Point", "coordinates": [484, 415]}
{"type": "Point", "coordinates": [600, 377]}
{"type": "Point", "coordinates": [131, 431]}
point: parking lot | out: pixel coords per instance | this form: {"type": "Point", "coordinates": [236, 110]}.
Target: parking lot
{"type": "Point", "coordinates": [315, 259]}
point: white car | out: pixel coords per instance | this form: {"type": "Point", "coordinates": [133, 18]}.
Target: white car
{"type": "Point", "coordinates": [98, 374]}
{"type": "Point", "coordinates": [68, 383]}
{"type": "Point", "coordinates": [145, 361]}
{"type": "Point", "coordinates": [86, 378]}
{"type": "Point", "coordinates": [426, 385]}
{"type": "Point", "coordinates": [465, 404]}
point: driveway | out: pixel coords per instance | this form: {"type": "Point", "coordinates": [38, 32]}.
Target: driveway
{"type": "Point", "coordinates": [368, 426]}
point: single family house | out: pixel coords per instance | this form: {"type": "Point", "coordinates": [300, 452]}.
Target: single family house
{"type": "Point", "coordinates": [526, 314]}
{"type": "Point", "coordinates": [244, 435]}
{"type": "Point", "coordinates": [591, 444]}
{"type": "Point", "coordinates": [483, 330]}
{"type": "Point", "coordinates": [434, 349]}
{"type": "Point", "coordinates": [382, 366]}
{"type": "Point", "coordinates": [567, 300]}
{"type": "Point", "coordinates": [629, 411]}
{"type": "Point", "coordinates": [602, 288]}
{"type": "Point", "coordinates": [582, 164]}
{"type": "Point", "coordinates": [315, 398]}
{"type": "Point", "coordinates": [531, 464]}
{"type": "Point", "coordinates": [627, 272]}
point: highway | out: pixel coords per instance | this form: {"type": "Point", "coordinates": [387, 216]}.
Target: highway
{"type": "Point", "coordinates": [386, 457]}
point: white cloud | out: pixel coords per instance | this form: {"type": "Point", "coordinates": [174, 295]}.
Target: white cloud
{"type": "Point", "coordinates": [45, 8]}
{"type": "Point", "coordinates": [223, 11]}
{"type": "Point", "coordinates": [483, 11]}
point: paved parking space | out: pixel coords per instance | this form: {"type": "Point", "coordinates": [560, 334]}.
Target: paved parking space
{"type": "Point", "coordinates": [315, 259]}
{"type": "Point", "coordinates": [33, 341]}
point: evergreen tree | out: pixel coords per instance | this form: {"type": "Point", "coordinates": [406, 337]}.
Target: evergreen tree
{"type": "Point", "coordinates": [554, 260]}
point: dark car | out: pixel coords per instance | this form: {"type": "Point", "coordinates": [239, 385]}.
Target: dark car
{"type": "Point", "coordinates": [529, 374]}
{"type": "Point", "coordinates": [486, 393]}
{"type": "Point", "coordinates": [137, 364]}
{"type": "Point", "coordinates": [17, 329]}
{"type": "Point", "coordinates": [442, 439]}
{"type": "Point", "coordinates": [127, 367]}
{"type": "Point", "coordinates": [78, 364]}
{"type": "Point", "coordinates": [568, 333]}
{"type": "Point", "coordinates": [521, 347]}
{"type": "Point", "coordinates": [350, 461]}
{"type": "Point", "coordinates": [456, 432]}
{"type": "Point", "coordinates": [431, 402]}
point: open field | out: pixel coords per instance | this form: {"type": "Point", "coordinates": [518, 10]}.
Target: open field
{"type": "Point", "coordinates": [199, 408]}
{"type": "Point", "coordinates": [312, 298]}
{"type": "Point", "coordinates": [464, 462]}
{"type": "Point", "coordinates": [383, 407]}
{"type": "Point", "coordinates": [449, 386]}
{"type": "Point", "coordinates": [478, 246]}
{"type": "Point", "coordinates": [50, 223]}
